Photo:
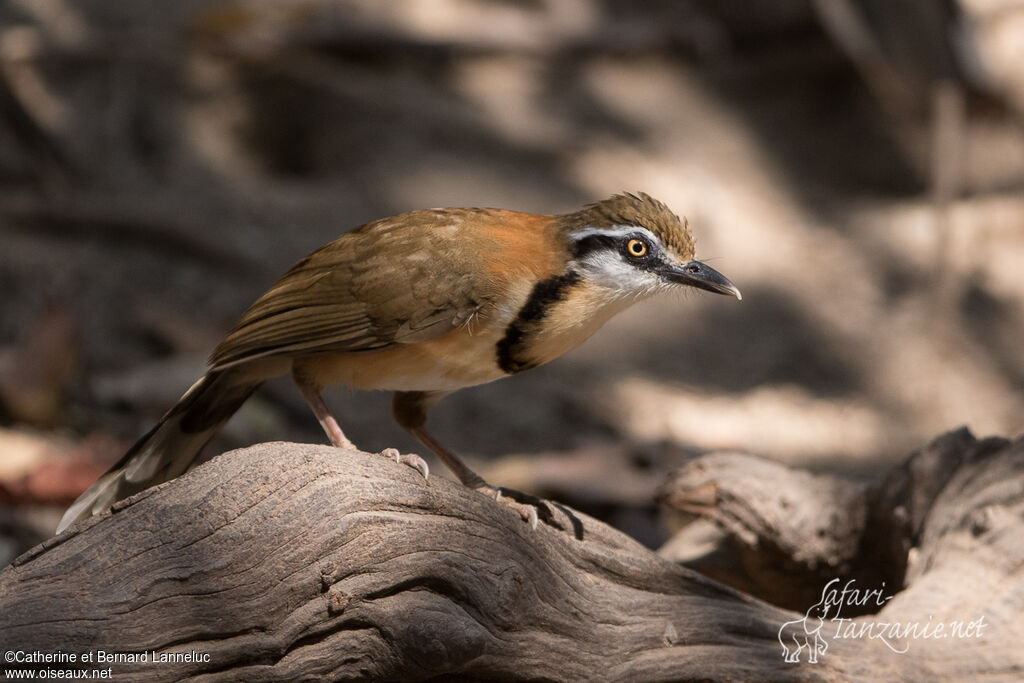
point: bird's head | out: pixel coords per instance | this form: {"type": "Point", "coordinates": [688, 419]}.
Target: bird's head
{"type": "Point", "coordinates": [633, 245]}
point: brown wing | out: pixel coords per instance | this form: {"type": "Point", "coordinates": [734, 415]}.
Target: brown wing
{"type": "Point", "coordinates": [397, 280]}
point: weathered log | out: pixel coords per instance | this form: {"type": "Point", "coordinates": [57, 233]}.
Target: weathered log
{"type": "Point", "coordinates": [782, 533]}
{"type": "Point", "coordinates": [290, 562]}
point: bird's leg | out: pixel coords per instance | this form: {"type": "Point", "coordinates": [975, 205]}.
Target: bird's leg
{"type": "Point", "coordinates": [410, 412]}
{"type": "Point", "coordinates": [311, 392]}
{"type": "Point", "coordinates": [453, 462]}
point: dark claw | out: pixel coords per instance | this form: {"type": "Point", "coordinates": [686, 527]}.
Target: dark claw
{"type": "Point", "coordinates": [531, 508]}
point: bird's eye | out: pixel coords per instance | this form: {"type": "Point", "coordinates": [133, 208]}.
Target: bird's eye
{"type": "Point", "coordinates": [636, 247]}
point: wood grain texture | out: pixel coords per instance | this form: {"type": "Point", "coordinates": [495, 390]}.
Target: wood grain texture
{"type": "Point", "coordinates": [299, 562]}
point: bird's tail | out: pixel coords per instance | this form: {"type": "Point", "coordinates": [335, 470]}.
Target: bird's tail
{"type": "Point", "coordinates": [169, 448]}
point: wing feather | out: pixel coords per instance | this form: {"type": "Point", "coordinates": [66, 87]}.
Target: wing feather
{"type": "Point", "coordinates": [398, 280]}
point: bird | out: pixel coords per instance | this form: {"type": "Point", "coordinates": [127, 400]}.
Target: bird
{"type": "Point", "coordinates": [423, 304]}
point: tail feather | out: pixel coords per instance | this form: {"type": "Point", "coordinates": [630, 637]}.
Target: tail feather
{"type": "Point", "coordinates": [170, 447]}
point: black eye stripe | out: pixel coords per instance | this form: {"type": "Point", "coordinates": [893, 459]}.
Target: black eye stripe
{"type": "Point", "coordinates": [598, 242]}
{"type": "Point", "coordinates": [592, 243]}
{"type": "Point", "coordinates": [652, 260]}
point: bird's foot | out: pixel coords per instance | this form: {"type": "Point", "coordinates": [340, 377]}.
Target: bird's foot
{"type": "Point", "coordinates": [411, 459]}
{"type": "Point", "coordinates": [530, 508]}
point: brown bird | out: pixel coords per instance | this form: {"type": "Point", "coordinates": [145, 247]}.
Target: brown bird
{"type": "Point", "coordinates": [423, 304]}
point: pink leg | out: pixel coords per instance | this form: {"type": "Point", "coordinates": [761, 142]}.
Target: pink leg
{"type": "Point", "coordinates": [311, 392]}
{"type": "Point", "coordinates": [333, 430]}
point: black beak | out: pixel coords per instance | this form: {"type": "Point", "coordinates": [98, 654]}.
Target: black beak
{"type": "Point", "coordinates": [701, 276]}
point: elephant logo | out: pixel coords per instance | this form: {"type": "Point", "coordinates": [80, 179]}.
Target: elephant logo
{"type": "Point", "coordinates": [805, 632]}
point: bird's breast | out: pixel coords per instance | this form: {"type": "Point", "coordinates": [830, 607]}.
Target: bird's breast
{"type": "Point", "coordinates": [561, 313]}
{"type": "Point", "coordinates": [551, 320]}
{"type": "Point", "coordinates": [463, 357]}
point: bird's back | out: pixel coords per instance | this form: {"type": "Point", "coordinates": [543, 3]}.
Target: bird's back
{"type": "Point", "coordinates": [401, 280]}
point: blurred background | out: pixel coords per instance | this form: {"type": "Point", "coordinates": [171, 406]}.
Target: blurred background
{"type": "Point", "coordinates": [856, 167]}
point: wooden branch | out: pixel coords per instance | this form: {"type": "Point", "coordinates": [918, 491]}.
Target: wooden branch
{"type": "Point", "coordinates": [288, 562]}
{"type": "Point", "coordinates": [940, 533]}
{"type": "Point", "coordinates": [782, 533]}
{"type": "Point", "coordinates": [779, 522]}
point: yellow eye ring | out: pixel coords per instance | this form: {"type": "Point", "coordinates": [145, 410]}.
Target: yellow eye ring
{"type": "Point", "coordinates": [636, 247]}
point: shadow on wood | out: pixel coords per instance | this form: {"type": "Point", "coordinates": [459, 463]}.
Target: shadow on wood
{"type": "Point", "coordinates": [286, 561]}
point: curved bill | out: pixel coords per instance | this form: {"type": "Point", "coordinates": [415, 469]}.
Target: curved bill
{"type": "Point", "coordinates": [701, 276]}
